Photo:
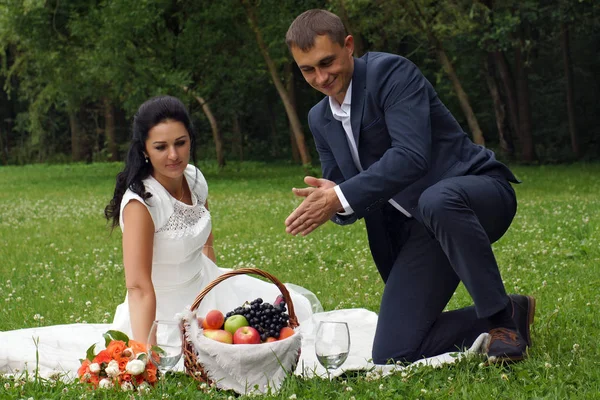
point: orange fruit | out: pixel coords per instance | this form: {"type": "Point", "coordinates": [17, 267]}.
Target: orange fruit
{"type": "Point", "coordinates": [285, 332]}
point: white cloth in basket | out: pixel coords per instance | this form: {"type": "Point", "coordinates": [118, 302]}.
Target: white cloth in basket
{"type": "Point", "coordinates": [243, 368]}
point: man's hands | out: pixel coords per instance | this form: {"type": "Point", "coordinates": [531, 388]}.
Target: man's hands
{"type": "Point", "coordinates": [319, 205]}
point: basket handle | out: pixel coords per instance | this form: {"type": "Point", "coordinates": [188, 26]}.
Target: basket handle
{"type": "Point", "coordinates": [293, 321]}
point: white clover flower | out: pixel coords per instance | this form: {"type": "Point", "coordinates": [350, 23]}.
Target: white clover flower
{"type": "Point", "coordinates": [112, 369]}
{"type": "Point", "coordinates": [292, 397]}
{"type": "Point", "coordinates": [105, 384]}
{"type": "Point", "coordinates": [548, 365]}
{"type": "Point", "coordinates": [135, 367]}
{"type": "Point", "coordinates": [127, 386]}
{"type": "Point", "coordinates": [144, 387]}
{"type": "Point", "coordinates": [94, 368]}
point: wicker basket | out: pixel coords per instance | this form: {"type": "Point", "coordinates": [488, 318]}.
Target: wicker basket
{"type": "Point", "coordinates": [192, 366]}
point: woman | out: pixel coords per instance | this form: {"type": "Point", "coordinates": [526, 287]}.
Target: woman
{"type": "Point", "coordinates": [160, 203]}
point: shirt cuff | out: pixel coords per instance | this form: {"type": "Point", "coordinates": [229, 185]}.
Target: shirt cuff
{"type": "Point", "coordinates": [347, 209]}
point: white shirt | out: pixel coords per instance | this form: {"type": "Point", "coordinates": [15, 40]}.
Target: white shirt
{"type": "Point", "coordinates": [342, 114]}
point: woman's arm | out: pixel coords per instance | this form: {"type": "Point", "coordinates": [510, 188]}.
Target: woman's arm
{"type": "Point", "coordinates": [208, 249]}
{"type": "Point", "coordinates": [138, 240]}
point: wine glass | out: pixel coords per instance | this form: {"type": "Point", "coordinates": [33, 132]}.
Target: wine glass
{"type": "Point", "coordinates": [165, 344]}
{"type": "Point", "coordinates": [332, 344]}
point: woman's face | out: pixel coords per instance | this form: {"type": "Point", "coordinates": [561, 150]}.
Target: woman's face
{"type": "Point", "coordinates": [168, 148]}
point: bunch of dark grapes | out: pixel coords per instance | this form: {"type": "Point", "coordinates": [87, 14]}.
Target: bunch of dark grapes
{"type": "Point", "coordinates": [266, 318]}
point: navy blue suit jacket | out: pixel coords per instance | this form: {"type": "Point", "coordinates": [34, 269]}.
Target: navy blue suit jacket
{"type": "Point", "coordinates": [407, 140]}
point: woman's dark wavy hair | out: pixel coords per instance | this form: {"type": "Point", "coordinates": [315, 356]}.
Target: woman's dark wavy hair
{"type": "Point", "coordinates": [151, 113]}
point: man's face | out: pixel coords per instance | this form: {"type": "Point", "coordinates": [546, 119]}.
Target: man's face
{"type": "Point", "coordinates": [327, 66]}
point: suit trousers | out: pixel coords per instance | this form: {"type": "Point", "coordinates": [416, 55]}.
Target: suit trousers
{"type": "Point", "coordinates": [462, 217]}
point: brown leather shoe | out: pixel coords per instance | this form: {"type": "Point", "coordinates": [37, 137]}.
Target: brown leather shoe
{"type": "Point", "coordinates": [506, 345]}
{"type": "Point", "coordinates": [523, 314]}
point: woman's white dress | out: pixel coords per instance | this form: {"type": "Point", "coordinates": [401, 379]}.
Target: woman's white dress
{"type": "Point", "coordinates": [179, 272]}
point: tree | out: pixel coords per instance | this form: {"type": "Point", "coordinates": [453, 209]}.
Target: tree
{"type": "Point", "coordinates": [289, 107]}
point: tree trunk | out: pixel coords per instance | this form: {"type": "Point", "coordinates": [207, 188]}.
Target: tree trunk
{"type": "Point", "coordinates": [359, 46]}
{"type": "Point", "coordinates": [290, 87]}
{"type": "Point", "coordinates": [238, 136]}
{"type": "Point", "coordinates": [463, 99]}
{"type": "Point", "coordinates": [568, 66]}
{"type": "Point", "coordinates": [217, 137]}
{"type": "Point", "coordinates": [526, 138]}
{"type": "Point", "coordinates": [76, 137]}
{"type": "Point", "coordinates": [290, 110]}
{"type": "Point", "coordinates": [504, 137]}
{"type": "Point", "coordinates": [508, 86]}
{"type": "Point", "coordinates": [109, 130]}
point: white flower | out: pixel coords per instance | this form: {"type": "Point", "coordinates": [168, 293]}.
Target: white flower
{"type": "Point", "coordinates": [127, 386]}
{"type": "Point", "coordinates": [105, 384]}
{"type": "Point", "coordinates": [142, 357]}
{"type": "Point", "coordinates": [94, 368]}
{"type": "Point", "coordinates": [292, 397]}
{"type": "Point", "coordinates": [135, 367]}
{"type": "Point", "coordinates": [112, 369]}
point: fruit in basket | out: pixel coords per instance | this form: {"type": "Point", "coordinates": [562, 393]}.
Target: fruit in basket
{"type": "Point", "coordinates": [285, 332]}
{"type": "Point", "coordinates": [234, 322]}
{"type": "Point", "coordinates": [270, 339]}
{"type": "Point", "coordinates": [266, 318]}
{"type": "Point", "coordinates": [246, 335]}
{"type": "Point", "coordinates": [219, 335]}
{"type": "Point", "coordinates": [214, 319]}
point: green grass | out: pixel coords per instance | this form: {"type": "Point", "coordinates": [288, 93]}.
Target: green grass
{"type": "Point", "coordinates": [57, 254]}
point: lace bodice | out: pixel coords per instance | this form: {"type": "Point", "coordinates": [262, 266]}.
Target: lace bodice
{"type": "Point", "coordinates": [184, 219]}
{"type": "Point", "coordinates": [180, 229]}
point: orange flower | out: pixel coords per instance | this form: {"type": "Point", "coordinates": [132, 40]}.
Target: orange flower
{"type": "Point", "coordinates": [122, 362]}
{"type": "Point", "coordinates": [103, 357]}
{"type": "Point", "coordinates": [139, 379]}
{"type": "Point", "coordinates": [94, 380]}
{"type": "Point", "coordinates": [115, 348]}
{"type": "Point", "coordinates": [137, 347]}
{"type": "Point", "coordinates": [85, 367]}
{"type": "Point", "coordinates": [125, 378]}
{"type": "Point", "coordinates": [150, 373]}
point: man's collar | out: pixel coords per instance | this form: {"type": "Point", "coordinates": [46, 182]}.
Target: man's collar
{"type": "Point", "coordinates": [347, 100]}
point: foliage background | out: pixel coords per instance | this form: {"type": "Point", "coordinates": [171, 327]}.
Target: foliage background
{"type": "Point", "coordinates": [70, 67]}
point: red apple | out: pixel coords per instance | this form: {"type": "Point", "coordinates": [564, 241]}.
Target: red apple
{"type": "Point", "coordinates": [219, 335]}
{"type": "Point", "coordinates": [285, 332]}
{"type": "Point", "coordinates": [235, 322]}
{"type": "Point", "coordinates": [246, 335]}
{"type": "Point", "coordinates": [214, 320]}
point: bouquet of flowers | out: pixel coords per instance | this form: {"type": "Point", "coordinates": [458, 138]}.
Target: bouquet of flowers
{"type": "Point", "coordinates": [124, 363]}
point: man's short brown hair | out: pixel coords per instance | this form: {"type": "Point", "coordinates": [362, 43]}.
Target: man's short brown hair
{"type": "Point", "coordinates": [312, 23]}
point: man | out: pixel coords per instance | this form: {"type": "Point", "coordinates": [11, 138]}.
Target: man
{"type": "Point", "coordinates": [433, 201]}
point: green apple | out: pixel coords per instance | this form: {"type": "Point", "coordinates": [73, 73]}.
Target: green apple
{"type": "Point", "coordinates": [234, 322]}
